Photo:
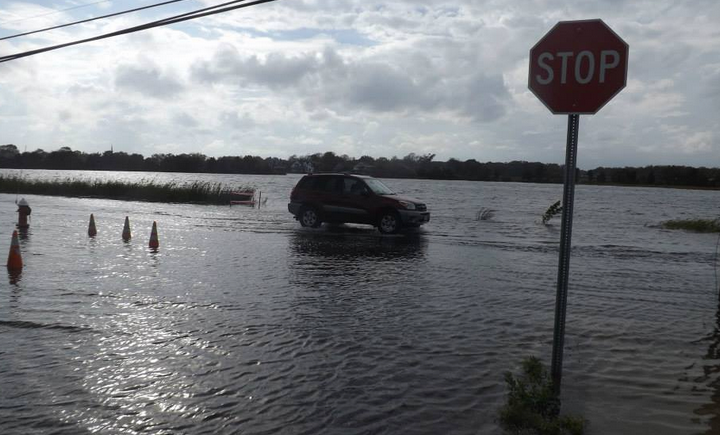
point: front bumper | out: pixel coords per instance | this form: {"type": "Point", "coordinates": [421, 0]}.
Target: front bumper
{"type": "Point", "coordinates": [412, 217]}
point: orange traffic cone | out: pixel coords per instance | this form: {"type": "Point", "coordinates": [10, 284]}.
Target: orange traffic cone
{"type": "Point", "coordinates": [15, 259]}
{"type": "Point", "coordinates": [126, 230]}
{"type": "Point", "coordinates": [92, 231]}
{"type": "Point", "coordinates": [154, 243]}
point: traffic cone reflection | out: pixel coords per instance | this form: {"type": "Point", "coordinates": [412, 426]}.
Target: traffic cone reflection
{"type": "Point", "coordinates": [154, 243]}
{"type": "Point", "coordinates": [92, 231]}
{"type": "Point", "coordinates": [126, 230]}
{"type": "Point", "coordinates": [14, 276]}
{"type": "Point", "coordinates": [14, 259]}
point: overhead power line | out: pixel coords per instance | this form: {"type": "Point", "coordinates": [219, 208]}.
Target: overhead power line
{"type": "Point", "coordinates": [54, 12]}
{"type": "Point", "coordinates": [164, 22]}
{"type": "Point", "coordinates": [91, 19]}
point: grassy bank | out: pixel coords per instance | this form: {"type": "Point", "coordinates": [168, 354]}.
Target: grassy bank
{"type": "Point", "coordinates": [695, 225]}
{"type": "Point", "coordinates": [532, 407]}
{"type": "Point", "coordinates": [201, 192]}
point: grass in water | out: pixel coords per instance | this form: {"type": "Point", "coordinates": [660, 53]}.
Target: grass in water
{"type": "Point", "coordinates": [203, 192]}
{"type": "Point", "coordinates": [695, 225]}
{"type": "Point", "coordinates": [532, 407]}
{"type": "Point", "coordinates": [551, 212]}
{"type": "Point", "coordinates": [484, 214]}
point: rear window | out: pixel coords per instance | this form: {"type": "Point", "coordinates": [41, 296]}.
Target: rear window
{"type": "Point", "coordinates": [318, 183]}
{"type": "Point", "coordinates": [304, 183]}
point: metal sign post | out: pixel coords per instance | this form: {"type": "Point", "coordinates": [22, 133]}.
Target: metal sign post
{"type": "Point", "coordinates": [565, 247]}
{"type": "Point", "coordinates": [576, 68]}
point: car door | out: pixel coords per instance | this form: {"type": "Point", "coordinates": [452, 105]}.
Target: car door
{"type": "Point", "coordinates": [329, 189]}
{"type": "Point", "coordinates": [355, 200]}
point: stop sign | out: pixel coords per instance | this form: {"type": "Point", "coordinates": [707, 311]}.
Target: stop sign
{"type": "Point", "coordinates": [578, 66]}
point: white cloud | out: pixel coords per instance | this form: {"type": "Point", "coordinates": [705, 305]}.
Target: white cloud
{"type": "Point", "coordinates": [372, 84]}
{"type": "Point", "coordinates": [147, 79]}
{"type": "Point", "coordinates": [700, 141]}
{"type": "Point", "coordinates": [357, 77]}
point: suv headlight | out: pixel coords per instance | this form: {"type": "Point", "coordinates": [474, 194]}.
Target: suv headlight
{"type": "Point", "coordinates": [407, 205]}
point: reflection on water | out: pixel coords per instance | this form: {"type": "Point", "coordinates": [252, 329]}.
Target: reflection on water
{"type": "Point", "coordinates": [14, 276]}
{"type": "Point", "coordinates": [349, 270]}
{"type": "Point", "coordinates": [24, 233]}
{"type": "Point", "coordinates": [348, 257]}
{"type": "Point", "coordinates": [375, 324]}
{"type": "Point", "coordinates": [347, 243]}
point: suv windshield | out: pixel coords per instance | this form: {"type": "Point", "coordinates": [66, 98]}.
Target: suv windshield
{"type": "Point", "coordinates": [378, 187]}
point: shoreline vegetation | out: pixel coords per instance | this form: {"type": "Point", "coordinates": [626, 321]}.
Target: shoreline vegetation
{"type": "Point", "coordinates": [532, 406]}
{"type": "Point", "coordinates": [410, 166]}
{"type": "Point", "coordinates": [694, 225]}
{"type": "Point", "coordinates": [145, 190]}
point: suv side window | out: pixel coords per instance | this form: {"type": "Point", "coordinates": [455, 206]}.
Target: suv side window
{"type": "Point", "coordinates": [324, 184]}
{"type": "Point", "coordinates": [352, 186]}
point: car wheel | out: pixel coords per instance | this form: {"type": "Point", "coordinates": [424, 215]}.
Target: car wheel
{"type": "Point", "coordinates": [389, 222]}
{"type": "Point", "coordinates": [309, 217]}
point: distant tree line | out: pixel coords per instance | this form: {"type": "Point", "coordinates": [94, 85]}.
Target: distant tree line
{"type": "Point", "coordinates": [410, 166]}
{"type": "Point", "coordinates": [66, 158]}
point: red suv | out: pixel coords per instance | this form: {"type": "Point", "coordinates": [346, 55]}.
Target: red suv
{"type": "Point", "coordinates": [340, 198]}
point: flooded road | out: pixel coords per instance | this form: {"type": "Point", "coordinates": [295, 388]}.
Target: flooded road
{"type": "Point", "coordinates": [244, 322]}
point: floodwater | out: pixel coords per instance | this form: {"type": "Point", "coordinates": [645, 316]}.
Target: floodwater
{"type": "Point", "coordinates": [244, 322]}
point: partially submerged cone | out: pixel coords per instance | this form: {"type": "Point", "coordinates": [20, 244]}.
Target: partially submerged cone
{"type": "Point", "coordinates": [126, 230]}
{"type": "Point", "coordinates": [154, 243]}
{"type": "Point", "coordinates": [92, 231]}
{"type": "Point", "coordinates": [14, 259]}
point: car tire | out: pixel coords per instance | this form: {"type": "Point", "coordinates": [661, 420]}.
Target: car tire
{"type": "Point", "coordinates": [389, 222]}
{"type": "Point", "coordinates": [309, 217]}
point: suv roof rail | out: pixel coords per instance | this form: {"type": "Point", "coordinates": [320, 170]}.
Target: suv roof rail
{"type": "Point", "coordinates": [349, 174]}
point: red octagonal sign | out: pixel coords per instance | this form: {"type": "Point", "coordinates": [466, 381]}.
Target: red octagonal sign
{"type": "Point", "coordinates": [578, 66]}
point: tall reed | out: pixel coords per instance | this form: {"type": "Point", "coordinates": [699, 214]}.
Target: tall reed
{"type": "Point", "coordinates": [201, 192]}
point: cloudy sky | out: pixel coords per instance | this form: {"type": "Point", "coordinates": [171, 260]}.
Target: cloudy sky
{"type": "Point", "coordinates": [357, 78]}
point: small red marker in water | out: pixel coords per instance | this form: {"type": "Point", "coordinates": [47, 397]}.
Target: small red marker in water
{"type": "Point", "coordinates": [92, 231]}
{"type": "Point", "coordinates": [126, 230]}
{"type": "Point", "coordinates": [154, 243]}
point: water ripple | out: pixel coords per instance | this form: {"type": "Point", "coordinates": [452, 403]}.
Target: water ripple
{"type": "Point", "coordinates": [244, 322]}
